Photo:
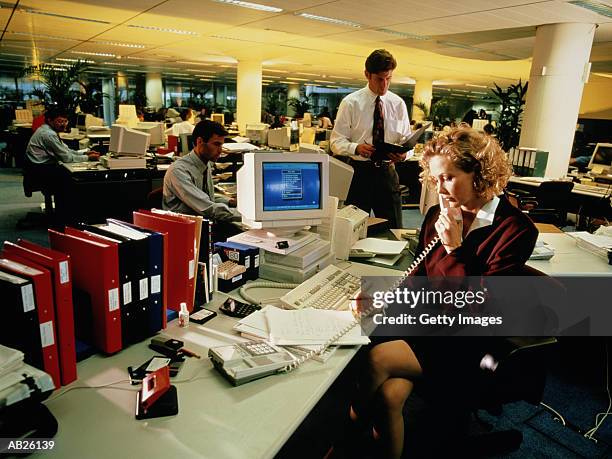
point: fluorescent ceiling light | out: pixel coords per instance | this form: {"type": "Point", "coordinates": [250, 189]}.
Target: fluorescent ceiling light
{"type": "Point", "coordinates": [201, 71]}
{"type": "Point", "coordinates": [476, 86]}
{"type": "Point", "coordinates": [40, 35]}
{"type": "Point", "coordinates": [61, 16]}
{"type": "Point", "coordinates": [324, 81]}
{"type": "Point", "coordinates": [163, 29]}
{"type": "Point", "coordinates": [297, 79]}
{"type": "Point", "coordinates": [252, 6]}
{"type": "Point", "coordinates": [275, 71]}
{"type": "Point", "coordinates": [194, 63]}
{"type": "Point", "coordinates": [67, 59]}
{"type": "Point", "coordinates": [120, 64]}
{"type": "Point", "coordinates": [176, 74]}
{"type": "Point", "coordinates": [114, 43]}
{"type": "Point", "coordinates": [307, 74]}
{"type": "Point", "coordinates": [93, 54]}
{"type": "Point", "coordinates": [272, 76]}
{"type": "Point", "coordinates": [595, 7]}
{"type": "Point", "coordinates": [395, 33]}
{"type": "Point", "coordinates": [605, 75]}
{"type": "Point", "coordinates": [286, 82]}
{"type": "Point", "coordinates": [335, 21]}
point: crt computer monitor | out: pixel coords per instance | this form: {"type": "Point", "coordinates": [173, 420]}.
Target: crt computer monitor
{"type": "Point", "coordinates": [282, 192]}
{"type": "Point", "coordinates": [185, 144]}
{"type": "Point", "coordinates": [601, 160]}
{"type": "Point", "coordinates": [128, 142]}
{"type": "Point", "coordinates": [218, 118]}
{"type": "Point", "coordinates": [156, 130]}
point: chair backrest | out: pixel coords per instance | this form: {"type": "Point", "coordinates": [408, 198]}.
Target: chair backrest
{"type": "Point", "coordinates": [554, 194]}
{"type": "Point", "coordinates": [154, 198]}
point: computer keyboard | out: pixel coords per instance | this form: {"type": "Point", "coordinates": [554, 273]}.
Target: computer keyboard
{"type": "Point", "coordinates": [331, 288]}
{"type": "Point", "coordinates": [603, 190]}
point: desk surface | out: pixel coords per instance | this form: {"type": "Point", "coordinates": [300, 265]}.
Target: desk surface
{"type": "Point", "coordinates": [215, 420]}
{"type": "Point", "coordinates": [585, 190]}
{"type": "Point", "coordinates": [569, 259]}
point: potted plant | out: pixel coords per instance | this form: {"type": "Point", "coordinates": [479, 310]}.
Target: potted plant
{"type": "Point", "coordinates": [512, 101]}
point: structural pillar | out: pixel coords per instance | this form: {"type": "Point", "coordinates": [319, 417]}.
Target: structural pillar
{"type": "Point", "coordinates": [108, 103]}
{"type": "Point", "coordinates": [422, 95]}
{"type": "Point", "coordinates": [248, 93]}
{"type": "Point", "coordinates": [154, 90]}
{"type": "Point", "coordinates": [559, 70]}
{"type": "Point", "coordinates": [122, 87]}
{"type": "Point", "coordinates": [293, 90]}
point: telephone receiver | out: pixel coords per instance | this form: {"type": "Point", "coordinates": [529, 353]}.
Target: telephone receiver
{"type": "Point", "coordinates": [454, 212]}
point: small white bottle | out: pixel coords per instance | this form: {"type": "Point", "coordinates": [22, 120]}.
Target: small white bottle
{"type": "Point", "coordinates": [183, 316]}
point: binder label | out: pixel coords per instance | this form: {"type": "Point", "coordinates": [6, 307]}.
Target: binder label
{"type": "Point", "coordinates": [113, 299]}
{"type": "Point", "coordinates": [144, 288]}
{"type": "Point", "coordinates": [156, 284]}
{"type": "Point", "coordinates": [63, 269]}
{"type": "Point", "coordinates": [127, 293]}
{"type": "Point", "coordinates": [191, 268]}
{"type": "Point", "coordinates": [27, 298]}
{"type": "Point", "coordinates": [256, 263]}
{"type": "Point", "coordinates": [247, 262]}
{"type": "Point", "coordinates": [46, 334]}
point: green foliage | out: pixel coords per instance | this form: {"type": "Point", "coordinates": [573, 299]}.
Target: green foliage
{"type": "Point", "coordinates": [301, 105]}
{"type": "Point", "coordinates": [512, 101]}
{"type": "Point", "coordinates": [57, 84]}
{"type": "Point", "coordinates": [276, 101]}
{"type": "Point", "coordinates": [91, 97]}
{"type": "Point", "coordinates": [424, 108]}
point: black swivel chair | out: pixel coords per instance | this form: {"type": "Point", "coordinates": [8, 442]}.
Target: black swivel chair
{"type": "Point", "coordinates": [520, 376]}
{"type": "Point", "coordinates": [154, 198]}
{"type": "Point", "coordinates": [548, 204]}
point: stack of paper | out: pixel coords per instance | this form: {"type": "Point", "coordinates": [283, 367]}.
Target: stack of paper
{"type": "Point", "coordinates": [597, 245]}
{"type": "Point", "coordinates": [239, 147]}
{"type": "Point", "coordinates": [304, 327]}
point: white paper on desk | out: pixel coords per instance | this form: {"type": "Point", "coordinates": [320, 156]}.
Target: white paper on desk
{"type": "Point", "coordinates": [254, 324]}
{"type": "Point", "coordinates": [380, 246]}
{"type": "Point", "coordinates": [311, 326]}
{"type": "Point", "coordinates": [239, 139]}
{"type": "Point", "coordinates": [388, 260]}
{"type": "Point", "coordinates": [602, 242]}
{"type": "Point", "coordinates": [236, 147]}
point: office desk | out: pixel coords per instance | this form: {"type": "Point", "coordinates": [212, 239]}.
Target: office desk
{"type": "Point", "coordinates": [585, 201]}
{"type": "Point", "coordinates": [569, 259]}
{"type": "Point", "coordinates": [215, 420]}
{"type": "Point", "coordinates": [89, 192]}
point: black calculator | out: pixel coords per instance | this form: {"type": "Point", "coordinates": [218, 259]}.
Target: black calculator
{"type": "Point", "coordinates": [235, 308]}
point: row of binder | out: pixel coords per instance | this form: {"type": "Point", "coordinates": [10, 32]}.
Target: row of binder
{"type": "Point", "coordinates": [109, 285]}
{"type": "Point", "coordinates": [118, 282]}
{"type": "Point", "coordinates": [528, 162]}
{"type": "Point", "coordinates": [36, 287]}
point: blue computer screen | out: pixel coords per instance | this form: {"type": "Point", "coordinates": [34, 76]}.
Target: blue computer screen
{"type": "Point", "coordinates": [291, 186]}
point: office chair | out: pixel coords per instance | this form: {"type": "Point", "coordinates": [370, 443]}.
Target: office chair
{"type": "Point", "coordinates": [520, 376]}
{"type": "Point", "coordinates": [41, 178]}
{"type": "Point", "coordinates": [154, 198]}
{"type": "Point", "coordinates": [548, 204]}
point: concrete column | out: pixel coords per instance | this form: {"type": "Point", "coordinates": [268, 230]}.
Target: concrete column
{"type": "Point", "coordinates": [108, 103]}
{"type": "Point", "coordinates": [122, 87]}
{"type": "Point", "coordinates": [293, 90]}
{"type": "Point", "coordinates": [558, 72]}
{"type": "Point", "coordinates": [422, 94]}
{"type": "Point", "coordinates": [154, 90]}
{"type": "Point", "coordinates": [248, 93]}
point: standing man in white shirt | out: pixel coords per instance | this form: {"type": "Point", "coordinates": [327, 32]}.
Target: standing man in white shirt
{"type": "Point", "coordinates": [365, 118]}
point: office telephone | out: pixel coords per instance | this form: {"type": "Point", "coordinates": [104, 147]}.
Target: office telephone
{"type": "Point", "coordinates": [245, 362]}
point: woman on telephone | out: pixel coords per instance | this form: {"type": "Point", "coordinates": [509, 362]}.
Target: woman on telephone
{"type": "Point", "coordinates": [480, 234]}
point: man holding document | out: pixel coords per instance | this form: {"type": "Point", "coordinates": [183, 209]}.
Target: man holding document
{"type": "Point", "coordinates": [368, 119]}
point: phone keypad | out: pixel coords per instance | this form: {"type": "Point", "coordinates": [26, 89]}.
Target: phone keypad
{"type": "Point", "coordinates": [258, 348]}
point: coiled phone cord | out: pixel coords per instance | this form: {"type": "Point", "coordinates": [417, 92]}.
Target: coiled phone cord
{"type": "Point", "coordinates": [417, 261]}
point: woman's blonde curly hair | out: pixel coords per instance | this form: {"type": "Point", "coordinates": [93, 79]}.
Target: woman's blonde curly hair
{"type": "Point", "coordinates": [471, 151]}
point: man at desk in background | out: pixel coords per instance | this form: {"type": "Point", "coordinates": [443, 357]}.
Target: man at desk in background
{"type": "Point", "coordinates": [45, 146]}
{"type": "Point", "coordinates": [368, 116]}
{"type": "Point", "coordinates": [45, 150]}
{"type": "Point", "coordinates": [188, 184]}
